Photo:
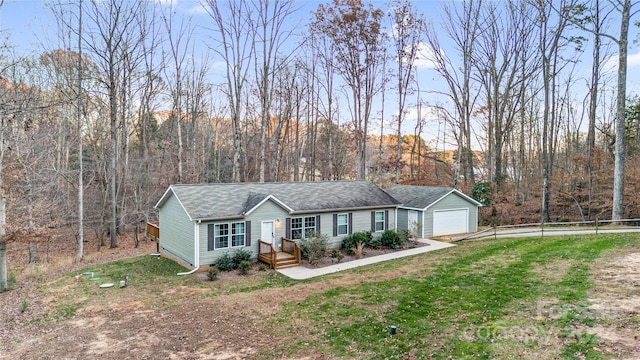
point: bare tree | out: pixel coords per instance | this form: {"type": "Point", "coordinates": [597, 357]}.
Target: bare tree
{"type": "Point", "coordinates": [550, 46]}
{"type": "Point", "coordinates": [354, 31]}
{"type": "Point", "coordinates": [232, 23]}
{"type": "Point", "coordinates": [462, 23]}
{"type": "Point", "coordinates": [626, 10]}
{"type": "Point", "coordinates": [113, 36]}
{"type": "Point", "coordinates": [270, 36]}
{"type": "Point", "coordinates": [407, 30]}
{"type": "Point", "coordinates": [498, 61]}
{"type": "Point", "coordinates": [178, 33]}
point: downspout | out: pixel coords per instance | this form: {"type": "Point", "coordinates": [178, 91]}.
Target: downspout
{"type": "Point", "coordinates": [196, 249]}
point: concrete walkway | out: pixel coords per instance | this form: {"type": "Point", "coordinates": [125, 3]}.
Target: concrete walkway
{"type": "Point", "coordinates": [302, 273]}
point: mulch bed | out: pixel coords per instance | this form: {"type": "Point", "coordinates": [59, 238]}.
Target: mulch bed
{"type": "Point", "coordinates": [368, 252]}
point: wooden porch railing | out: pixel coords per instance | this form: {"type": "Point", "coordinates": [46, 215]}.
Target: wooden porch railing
{"type": "Point", "coordinates": [289, 256]}
{"type": "Point", "coordinates": [291, 247]}
{"type": "Point", "coordinates": [153, 230]}
{"type": "Point", "coordinates": [267, 253]}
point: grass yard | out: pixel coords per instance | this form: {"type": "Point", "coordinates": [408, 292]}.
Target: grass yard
{"type": "Point", "coordinates": [525, 298]}
{"type": "Point", "coordinates": [487, 300]}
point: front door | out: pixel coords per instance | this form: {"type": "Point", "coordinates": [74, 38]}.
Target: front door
{"type": "Point", "coordinates": [267, 235]}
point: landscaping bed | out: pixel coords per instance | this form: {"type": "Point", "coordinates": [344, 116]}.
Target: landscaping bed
{"type": "Point", "coordinates": [331, 259]}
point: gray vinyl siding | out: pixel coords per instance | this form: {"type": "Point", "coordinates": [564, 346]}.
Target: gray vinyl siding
{"type": "Point", "coordinates": [452, 201]}
{"type": "Point", "coordinates": [176, 231]}
{"type": "Point", "coordinates": [361, 221]}
{"type": "Point", "coordinates": [269, 211]}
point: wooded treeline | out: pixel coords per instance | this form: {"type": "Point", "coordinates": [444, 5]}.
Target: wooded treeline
{"type": "Point", "coordinates": [137, 95]}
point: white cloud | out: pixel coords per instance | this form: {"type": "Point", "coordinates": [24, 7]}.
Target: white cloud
{"type": "Point", "coordinates": [198, 9]}
{"type": "Point", "coordinates": [610, 64]}
{"type": "Point", "coordinates": [426, 113]}
{"type": "Point", "coordinates": [425, 57]}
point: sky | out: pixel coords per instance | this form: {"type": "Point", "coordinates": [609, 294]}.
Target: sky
{"type": "Point", "coordinates": [31, 28]}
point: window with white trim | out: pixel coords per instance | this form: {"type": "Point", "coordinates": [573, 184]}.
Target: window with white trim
{"type": "Point", "coordinates": [222, 236]}
{"type": "Point", "coordinates": [227, 235]}
{"type": "Point", "coordinates": [237, 234]}
{"type": "Point", "coordinates": [343, 224]}
{"type": "Point", "coordinates": [302, 226]}
{"type": "Point", "coordinates": [379, 221]}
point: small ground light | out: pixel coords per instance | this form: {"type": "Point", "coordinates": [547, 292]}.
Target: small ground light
{"type": "Point", "coordinates": [392, 330]}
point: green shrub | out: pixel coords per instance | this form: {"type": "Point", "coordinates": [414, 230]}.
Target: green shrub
{"type": "Point", "coordinates": [262, 267]}
{"type": "Point", "coordinates": [350, 242]}
{"type": "Point", "coordinates": [375, 242]}
{"type": "Point", "coordinates": [314, 246]}
{"type": "Point", "coordinates": [239, 256]}
{"type": "Point", "coordinates": [212, 273]}
{"type": "Point", "coordinates": [392, 239]}
{"type": "Point", "coordinates": [225, 262]}
{"type": "Point", "coordinates": [337, 254]}
{"type": "Point", "coordinates": [244, 267]}
{"type": "Point", "coordinates": [405, 235]}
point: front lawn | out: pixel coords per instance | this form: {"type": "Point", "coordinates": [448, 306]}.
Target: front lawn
{"type": "Point", "coordinates": [506, 299]}
{"type": "Point", "coordinates": [493, 299]}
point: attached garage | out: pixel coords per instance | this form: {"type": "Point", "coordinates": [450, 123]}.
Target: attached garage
{"type": "Point", "coordinates": [446, 222]}
{"type": "Point", "coordinates": [440, 211]}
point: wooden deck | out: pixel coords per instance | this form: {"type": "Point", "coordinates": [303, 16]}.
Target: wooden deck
{"type": "Point", "coordinates": [153, 230]}
{"type": "Point", "coordinates": [288, 257]}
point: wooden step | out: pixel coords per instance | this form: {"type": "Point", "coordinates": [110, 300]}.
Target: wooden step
{"type": "Point", "coordinates": [286, 264]}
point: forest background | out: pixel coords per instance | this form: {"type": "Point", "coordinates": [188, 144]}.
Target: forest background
{"type": "Point", "coordinates": [523, 104]}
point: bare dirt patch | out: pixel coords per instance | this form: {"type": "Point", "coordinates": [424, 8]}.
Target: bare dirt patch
{"type": "Point", "coordinates": [615, 299]}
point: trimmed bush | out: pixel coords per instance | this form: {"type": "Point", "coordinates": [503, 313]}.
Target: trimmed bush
{"type": "Point", "coordinates": [392, 239]}
{"type": "Point", "coordinates": [239, 256]}
{"type": "Point", "coordinates": [350, 242]}
{"type": "Point", "coordinates": [225, 262]}
{"type": "Point", "coordinates": [314, 246]}
{"type": "Point", "coordinates": [212, 273]}
{"type": "Point", "coordinates": [244, 267]}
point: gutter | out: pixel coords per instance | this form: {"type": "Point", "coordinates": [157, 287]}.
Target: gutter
{"type": "Point", "coordinates": [196, 249]}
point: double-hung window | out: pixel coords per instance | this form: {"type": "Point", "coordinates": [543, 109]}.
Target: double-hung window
{"type": "Point", "coordinates": [302, 226]}
{"type": "Point", "coordinates": [379, 221]}
{"type": "Point", "coordinates": [223, 236]}
{"type": "Point", "coordinates": [237, 234]}
{"type": "Point", "coordinates": [343, 224]}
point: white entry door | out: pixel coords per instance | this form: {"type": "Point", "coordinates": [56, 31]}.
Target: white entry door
{"type": "Point", "coordinates": [412, 222]}
{"type": "Point", "coordinates": [268, 233]}
{"type": "Point", "coordinates": [448, 222]}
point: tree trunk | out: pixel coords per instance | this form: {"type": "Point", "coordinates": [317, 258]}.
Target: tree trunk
{"type": "Point", "coordinates": [593, 103]}
{"type": "Point", "coordinates": [80, 235]}
{"type": "Point", "coordinates": [3, 266]}
{"type": "Point", "coordinates": [3, 244]}
{"type": "Point", "coordinates": [618, 169]}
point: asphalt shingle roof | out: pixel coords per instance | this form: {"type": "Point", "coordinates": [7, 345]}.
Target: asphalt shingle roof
{"type": "Point", "coordinates": [216, 201]}
{"type": "Point", "coordinates": [418, 197]}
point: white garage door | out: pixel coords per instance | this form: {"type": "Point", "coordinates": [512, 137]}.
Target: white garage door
{"type": "Point", "coordinates": [446, 222]}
